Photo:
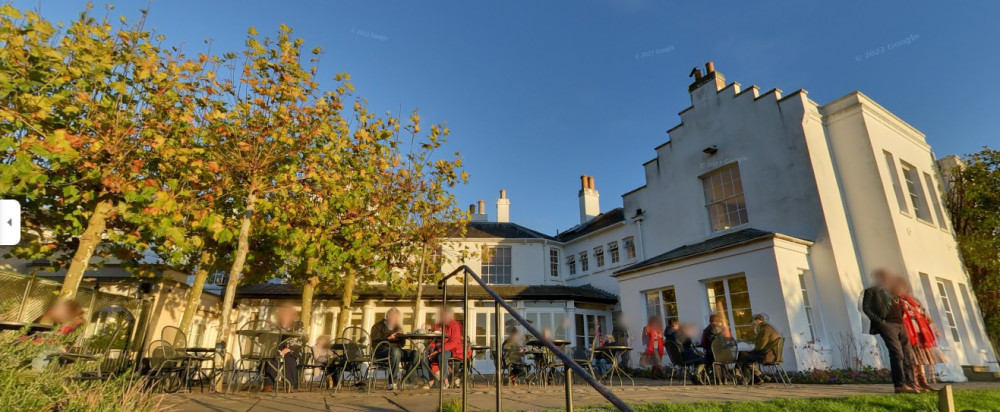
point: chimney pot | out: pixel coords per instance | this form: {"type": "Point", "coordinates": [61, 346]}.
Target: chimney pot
{"type": "Point", "coordinates": [482, 206]}
{"type": "Point", "coordinates": [590, 182]}
{"type": "Point", "coordinates": [696, 72]}
{"type": "Point", "coordinates": [710, 67]}
{"type": "Point", "coordinates": [583, 182]}
{"type": "Point", "coordinates": [472, 208]}
{"type": "Point", "coordinates": [503, 193]}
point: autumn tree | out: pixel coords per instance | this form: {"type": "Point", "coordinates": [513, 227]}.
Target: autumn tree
{"type": "Point", "coordinates": [265, 117]}
{"type": "Point", "coordinates": [88, 114]}
{"type": "Point", "coordinates": [973, 201]}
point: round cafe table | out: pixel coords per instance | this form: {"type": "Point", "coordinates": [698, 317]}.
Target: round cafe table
{"type": "Point", "coordinates": [615, 352]}
{"type": "Point", "coordinates": [544, 363]}
{"type": "Point", "coordinates": [421, 358]}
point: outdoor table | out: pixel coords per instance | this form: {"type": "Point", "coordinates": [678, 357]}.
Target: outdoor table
{"type": "Point", "coordinates": [421, 358]}
{"type": "Point", "coordinates": [32, 327]}
{"type": "Point", "coordinates": [615, 352]}
{"type": "Point", "coordinates": [543, 358]}
{"type": "Point", "coordinates": [197, 356]}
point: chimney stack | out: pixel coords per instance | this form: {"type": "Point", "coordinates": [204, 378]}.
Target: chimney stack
{"type": "Point", "coordinates": [477, 212]}
{"type": "Point", "coordinates": [709, 77]}
{"type": "Point", "coordinates": [590, 205]}
{"type": "Point", "coordinates": [503, 207]}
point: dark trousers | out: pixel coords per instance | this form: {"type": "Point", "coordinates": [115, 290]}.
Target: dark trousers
{"type": "Point", "coordinates": [900, 353]}
{"type": "Point", "coordinates": [747, 361]}
{"type": "Point", "coordinates": [433, 359]}
{"type": "Point", "coordinates": [397, 356]}
{"type": "Point", "coordinates": [291, 370]}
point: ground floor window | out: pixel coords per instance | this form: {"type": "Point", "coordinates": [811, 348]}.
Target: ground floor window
{"type": "Point", "coordinates": [553, 321]}
{"type": "Point", "coordinates": [588, 326]}
{"type": "Point", "coordinates": [662, 304]}
{"type": "Point", "coordinates": [947, 306]}
{"type": "Point", "coordinates": [730, 297]}
{"type": "Point", "coordinates": [486, 334]}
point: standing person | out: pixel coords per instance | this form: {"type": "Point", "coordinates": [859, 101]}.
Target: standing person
{"type": "Point", "coordinates": [764, 340]}
{"type": "Point", "coordinates": [287, 320]}
{"type": "Point", "coordinates": [652, 339]}
{"type": "Point", "coordinates": [389, 330]}
{"type": "Point", "coordinates": [513, 356]}
{"type": "Point", "coordinates": [452, 347]}
{"type": "Point", "coordinates": [921, 332]}
{"type": "Point", "coordinates": [886, 314]}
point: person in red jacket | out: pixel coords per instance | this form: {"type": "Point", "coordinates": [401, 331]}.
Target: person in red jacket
{"type": "Point", "coordinates": [452, 348]}
{"type": "Point", "coordinates": [921, 331]}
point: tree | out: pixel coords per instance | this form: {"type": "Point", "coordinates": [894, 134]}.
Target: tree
{"type": "Point", "coordinates": [264, 118]}
{"type": "Point", "coordinates": [88, 113]}
{"type": "Point", "coordinates": [973, 201]}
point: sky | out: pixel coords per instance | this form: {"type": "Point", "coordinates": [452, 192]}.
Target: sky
{"type": "Point", "coordinates": [537, 93]}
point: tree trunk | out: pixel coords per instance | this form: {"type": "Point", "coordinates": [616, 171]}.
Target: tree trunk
{"type": "Point", "coordinates": [89, 240]}
{"type": "Point", "coordinates": [194, 298]}
{"type": "Point", "coordinates": [307, 304]}
{"type": "Point", "coordinates": [344, 318]}
{"type": "Point", "coordinates": [242, 248]}
{"type": "Point", "coordinates": [420, 289]}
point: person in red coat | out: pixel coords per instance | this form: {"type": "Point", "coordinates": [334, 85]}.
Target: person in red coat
{"type": "Point", "coordinates": [452, 348]}
{"type": "Point", "coordinates": [921, 331]}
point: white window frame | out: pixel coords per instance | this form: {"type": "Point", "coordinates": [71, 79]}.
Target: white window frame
{"type": "Point", "coordinates": [897, 187]}
{"type": "Point", "coordinates": [553, 262]}
{"type": "Point", "coordinates": [948, 314]}
{"type": "Point", "coordinates": [613, 251]}
{"type": "Point", "coordinates": [584, 263]}
{"type": "Point", "coordinates": [915, 190]}
{"type": "Point", "coordinates": [629, 247]}
{"type": "Point", "coordinates": [712, 205]}
{"type": "Point", "coordinates": [488, 267]}
{"type": "Point", "coordinates": [599, 256]}
{"type": "Point", "coordinates": [571, 264]}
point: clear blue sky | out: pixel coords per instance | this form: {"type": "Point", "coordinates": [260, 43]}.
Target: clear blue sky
{"type": "Point", "coordinates": [537, 93]}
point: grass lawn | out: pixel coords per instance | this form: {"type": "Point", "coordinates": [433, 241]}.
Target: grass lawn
{"type": "Point", "coordinates": [975, 400]}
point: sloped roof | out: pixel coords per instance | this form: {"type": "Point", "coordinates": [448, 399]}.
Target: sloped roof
{"type": "Point", "coordinates": [508, 292]}
{"type": "Point", "coordinates": [710, 245]}
{"type": "Point", "coordinates": [505, 230]}
{"type": "Point", "coordinates": [599, 222]}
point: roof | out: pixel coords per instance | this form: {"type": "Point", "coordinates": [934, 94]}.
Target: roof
{"type": "Point", "coordinates": [711, 245]}
{"type": "Point", "coordinates": [509, 292]}
{"type": "Point", "coordinates": [599, 222]}
{"type": "Point", "coordinates": [504, 230]}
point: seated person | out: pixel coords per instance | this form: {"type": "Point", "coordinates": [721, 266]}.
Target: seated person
{"type": "Point", "coordinates": [451, 347]}
{"type": "Point", "coordinates": [601, 361]}
{"type": "Point", "coordinates": [66, 317]}
{"type": "Point", "coordinates": [287, 320]}
{"type": "Point", "coordinates": [321, 350]}
{"type": "Point", "coordinates": [388, 330]}
{"type": "Point", "coordinates": [764, 339]}
{"type": "Point", "coordinates": [713, 331]}
{"type": "Point", "coordinates": [680, 335]}
{"type": "Point", "coordinates": [513, 356]}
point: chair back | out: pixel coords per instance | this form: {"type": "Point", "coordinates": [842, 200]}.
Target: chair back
{"type": "Point", "coordinates": [174, 335]}
{"type": "Point", "coordinates": [778, 348]}
{"type": "Point", "coordinates": [161, 353]}
{"type": "Point", "coordinates": [673, 352]}
{"type": "Point", "coordinates": [593, 347]}
{"type": "Point", "coordinates": [724, 350]}
{"type": "Point", "coordinates": [353, 351]}
{"type": "Point", "coordinates": [355, 334]}
{"type": "Point", "coordinates": [254, 346]}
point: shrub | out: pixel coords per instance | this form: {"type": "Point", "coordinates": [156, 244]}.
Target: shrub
{"type": "Point", "coordinates": [864, 375]}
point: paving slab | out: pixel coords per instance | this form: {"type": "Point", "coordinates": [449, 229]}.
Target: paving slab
{"type": "Point", "coordinates": [521, 398]}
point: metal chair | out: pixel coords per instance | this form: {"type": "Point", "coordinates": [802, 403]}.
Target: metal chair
{"type": "Point", "coordinates": [677, 362]}
{"type": "Point", "coordinates": [254, 353]}
{"type": "Point", "coordinates": [165, 367]}
{"type": "Point", "coordinates": [725, 354]}
{"type": "Point", "coordinates": [355, 334]}
{"type": "Point", "coordinates": [178, 340]}
{"type": "Point", "coordinates": [354, 358]}
{"type": "Point", "coordinates": [310, 363]}
{"type": "Point", "coordinates": [776, 366]}
{"type": "Point", "coordinates": [111, 322]}
{"type": "Point", "coordinates": [588, 361]}
{"type": "Point", "coordinates": [376, 363]}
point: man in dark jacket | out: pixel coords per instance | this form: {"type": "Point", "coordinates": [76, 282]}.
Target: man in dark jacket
{"type": "Point", "coordinates": [674, 334]}
{"type": "Point", "coordinates": [765, 341]}
{"type": "Point", "coordinates": [886, 315]}
{"type": "Point", "coordinates": [388, 330]}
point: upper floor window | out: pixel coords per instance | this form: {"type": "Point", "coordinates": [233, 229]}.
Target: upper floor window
{"type": "Point", "coordinates": [916, 191]}
{"type": "Point", "coordinates": [599, 255]}
{"type": "Point", "coordinates": [932, 193]}
{"type": "Point", "coordinates": [613, 251]}
{"type": "Point", "coordinates": [571, 263]}
{"type": "Point", "coordinates": [220, 278]}
{"type": "Point", "coordinates": [496, 267]}
{"type": "Point", "coordinates": [896, 187]}
{"type": "Point", "coordinates": [553, 262]}
{"type": "Point", "coordinates": [584, 264]}
{"type": "Point", "coordinates": [724, 198]}
{"type": "Point", "coordinates": [629, 247]}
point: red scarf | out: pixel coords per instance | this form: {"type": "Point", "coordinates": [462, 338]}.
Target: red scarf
{"type": "Point", "coordinates": [654, 335]}
{"type": "Point", "coordinates": [916, 323]}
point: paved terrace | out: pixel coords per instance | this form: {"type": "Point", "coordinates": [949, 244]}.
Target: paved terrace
{"type": "Point", "coordinates": [521, 398]}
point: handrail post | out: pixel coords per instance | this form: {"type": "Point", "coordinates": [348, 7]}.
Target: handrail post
{"type": "Point", "coordinates": [24, 299]}
{"type": "Point", "coordinates": [498, 351]}
{"type": "Point", "coordinates": [442, 365]}
{"type": "Point", "coordinates": [465, 342]}
{"type": "Point", "coordinates": [569, 389]}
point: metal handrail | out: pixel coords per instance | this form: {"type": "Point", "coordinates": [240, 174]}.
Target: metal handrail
{"type": "Point", "coordinates": [572, 366]}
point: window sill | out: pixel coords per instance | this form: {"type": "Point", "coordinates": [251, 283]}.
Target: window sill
{"type": "Point", "coordinates": [727, 231]}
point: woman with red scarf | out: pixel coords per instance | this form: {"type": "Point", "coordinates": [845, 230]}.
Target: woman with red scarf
{"type": "Point", "coordinates": [921, 331]}
{"type": "Point", "coordinates": [652, 337]}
